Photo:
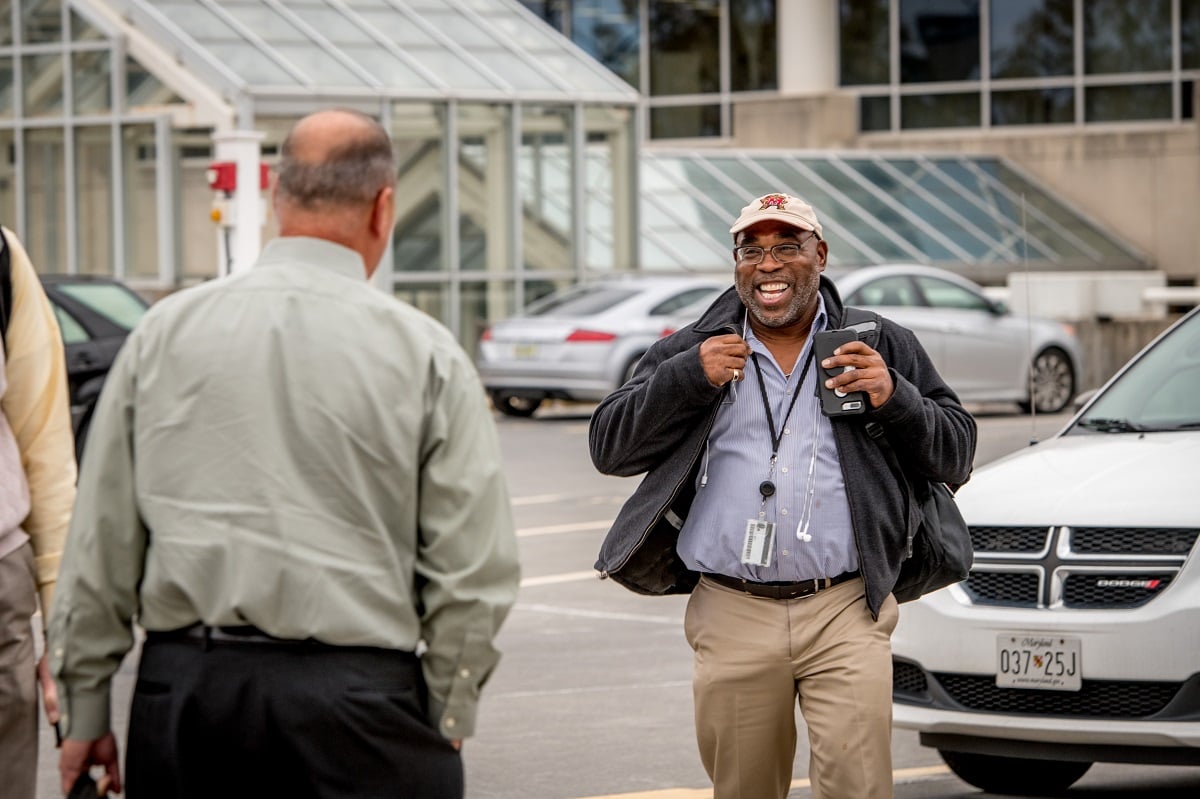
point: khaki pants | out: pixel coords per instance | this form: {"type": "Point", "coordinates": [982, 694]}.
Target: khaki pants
{"type": "Point", "coordinates": [18, 679]}
{"type": "Point", "coordinates": [755, 656]}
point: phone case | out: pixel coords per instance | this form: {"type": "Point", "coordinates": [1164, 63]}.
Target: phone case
{"type": "Point", "coordinates": [848, 404]}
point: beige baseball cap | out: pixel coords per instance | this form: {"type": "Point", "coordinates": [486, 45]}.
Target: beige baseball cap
{"type": "Point", "coordinates": [781, 208]}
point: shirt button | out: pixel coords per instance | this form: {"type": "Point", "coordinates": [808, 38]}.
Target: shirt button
{"type": "Point", "coordinates": [450, 723]}
{"type": "Point", "coordinates": [787, 431]}
{"type": "Point", "coordinates": [465, 673]}
{"type": "Point", "coordinates": [58, 652]}
{"type": "Point", "coordinates": [786, 553]}
{"type": "Point", "coordinates": [785, 469]}
{"type": "Point", "coordinates": [783, 512]}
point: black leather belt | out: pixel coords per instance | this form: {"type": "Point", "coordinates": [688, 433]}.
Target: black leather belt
{"type": "Point", "coordinates": [781, 590]}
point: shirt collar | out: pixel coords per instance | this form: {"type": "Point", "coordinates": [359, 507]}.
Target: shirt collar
{"type": "Point", "coordinates": [317, 252]}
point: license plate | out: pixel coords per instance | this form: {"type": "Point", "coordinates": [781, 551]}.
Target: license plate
{"type": "Point", "coordinates": [525, 350]}
{"type": "Point", "coordinates": [1038, 660]}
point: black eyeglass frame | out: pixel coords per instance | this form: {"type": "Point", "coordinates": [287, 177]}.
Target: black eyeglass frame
{"type": "Point", "coordinates": [740, 260]}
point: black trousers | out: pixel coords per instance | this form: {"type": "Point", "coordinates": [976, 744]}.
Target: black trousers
{"type": "Point", "coordinates": [236, 719]}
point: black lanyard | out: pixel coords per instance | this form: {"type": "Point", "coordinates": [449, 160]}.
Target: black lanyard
{"type": "Point", "coordinates": [762, 385]}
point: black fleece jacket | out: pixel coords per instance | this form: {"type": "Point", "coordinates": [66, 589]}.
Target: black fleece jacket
{"type": "Point", "coordinates": [658, 422]}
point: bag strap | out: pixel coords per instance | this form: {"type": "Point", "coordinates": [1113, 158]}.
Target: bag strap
{"type": "Point", "coordinates": [5, 290]}
{"type": "Point", "coordinates": [863, 322]}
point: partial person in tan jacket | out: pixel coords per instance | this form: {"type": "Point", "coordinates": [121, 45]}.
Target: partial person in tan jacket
{"type": "Point", "coordinates": [37, 489]}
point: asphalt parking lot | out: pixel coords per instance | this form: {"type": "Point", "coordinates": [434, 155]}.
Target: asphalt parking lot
{"type": "Point", "coordinates": [593, 696]}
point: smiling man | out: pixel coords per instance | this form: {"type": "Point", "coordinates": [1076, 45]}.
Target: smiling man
{"type": "Point", "coordinates": [786, 526]}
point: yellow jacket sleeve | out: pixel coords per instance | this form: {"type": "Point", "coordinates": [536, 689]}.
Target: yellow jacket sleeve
{"type": "Point", "coordinates": [37, 407]}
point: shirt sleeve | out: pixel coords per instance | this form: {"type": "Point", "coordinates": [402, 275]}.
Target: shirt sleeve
{"type": "Point", "coordinates": [37, 406]}
{"type": "Point", "coordinates": [91, 623]}
{"type": "Point", "coordinates": [467, 569]}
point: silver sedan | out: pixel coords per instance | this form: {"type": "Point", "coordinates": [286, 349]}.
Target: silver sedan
{"type": "Point", "coordinates": [583, 343]}
{"type": "Point", "coordinates": [981, 349]}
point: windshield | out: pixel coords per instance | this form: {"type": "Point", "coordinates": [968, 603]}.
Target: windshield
{"type": "Point", "coordinates": [580, 301]}
{"type": "Point", "coordinates": [115, 303]}
{"type": "Point", "coordinates": [1161, 391]}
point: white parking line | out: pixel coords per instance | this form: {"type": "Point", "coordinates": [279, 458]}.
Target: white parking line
{"type": "Point", "coordinates": [599, 614]}
{"type": "Point", "coordinates": [555, 529]}
{"type": "Point", "coordinates": [541, 499]}
{"type": "Point", "coordinates": [902, 775]}
{"type": "Point", "coordinates": [553, 579]}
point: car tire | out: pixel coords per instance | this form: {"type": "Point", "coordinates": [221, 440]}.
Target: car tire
{"type": "Point", "coordinates": [1014, 776]}
{"type": "Point", "coordinates": [1051, 382]}
{"type": "Point", "coordinates": [513, 405]}
{"type": "Point", "coordinates": [630, 368]}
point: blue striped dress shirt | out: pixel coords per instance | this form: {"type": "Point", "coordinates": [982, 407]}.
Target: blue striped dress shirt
{"type": "Point", "coordinates": [737, 459]}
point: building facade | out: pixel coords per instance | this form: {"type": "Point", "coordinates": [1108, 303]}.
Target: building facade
{"type": "Point", "coordinates": [1094, 98]}
{"type": "Point", "coordinates": [542, 142]}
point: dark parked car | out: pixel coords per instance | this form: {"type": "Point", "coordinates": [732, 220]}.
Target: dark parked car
{"type": "Point", "coordinates": [95, 315]}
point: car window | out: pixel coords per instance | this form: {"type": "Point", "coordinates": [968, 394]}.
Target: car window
{"type": "Point", "coordinates": [115, 303]}
{"type": "Point", "coordinates": [681, 300]}
{"type": "Point", "coordinates": [581, 301]}
{"type": "Point", "coordinates": [1159, 391]}
{"type": "Point", "coordinates": [944, 294]}
{"type": "Point", "coordinates": [72, 331]}
{"type": "Point", "coordinates": [892, 291]}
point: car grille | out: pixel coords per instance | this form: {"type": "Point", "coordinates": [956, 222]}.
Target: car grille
{"type": "Point", "coordinates": [1097, 698]}
{"type": "Point", "coordinates": [1075, 567]}
{"type": "Point", "coordinates": [908, 679]}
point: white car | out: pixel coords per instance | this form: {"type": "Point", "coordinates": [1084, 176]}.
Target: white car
{"type": "Point", "coordinates": [1076, 637]}
{"type": "Point", "coordinates": [983, 351]}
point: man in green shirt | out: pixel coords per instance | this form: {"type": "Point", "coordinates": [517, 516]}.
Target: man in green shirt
{"type": "Point", "coordinates": [293, 484]}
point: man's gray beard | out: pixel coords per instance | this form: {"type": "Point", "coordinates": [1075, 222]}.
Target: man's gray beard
{"type": "Point", "coordinates": [793, 312]}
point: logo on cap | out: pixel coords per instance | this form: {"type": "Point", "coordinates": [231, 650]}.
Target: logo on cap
{"type": "Point", "coordinates": [774, 201]}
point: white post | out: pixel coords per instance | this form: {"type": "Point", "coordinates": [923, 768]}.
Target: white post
{"type": "Point", "coordinates": [808, 47]}
{"type": "Point", "coordinates": [242, 147]}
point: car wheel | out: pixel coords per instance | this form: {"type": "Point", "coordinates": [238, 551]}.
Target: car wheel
{"type": "Point", "coordinates": [1051, 382]}
{"type": "Point", "coordinates": [1014, 776]}
{"type": "Point", "coordinates": [512, 405]}
{"type": "Point", "coordinates": [630, 368]}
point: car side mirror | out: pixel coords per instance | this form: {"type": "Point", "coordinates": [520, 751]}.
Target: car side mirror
{"type": "Point", "coordinates": [999, 307]}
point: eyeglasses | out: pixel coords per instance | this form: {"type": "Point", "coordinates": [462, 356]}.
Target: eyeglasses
{"type": "Point", "coordinates": [786, 253]}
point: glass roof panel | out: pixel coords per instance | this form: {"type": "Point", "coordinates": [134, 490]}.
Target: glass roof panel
{"type": "Point", "coordinates": [518, 72]}
{"type": "Point", "coordinates": [1071, 223]}
{"type": "Point", "coordinates": [1004, 204]}
{"type": "Point", "coordinates": [884, 213]}
{"type": "Point", "coordinates": [958, 212]}
{"type": "Point", "coordinates": [322, 68]}
{"type": "Point", "coordinates": [249, 61]}
{"type": "Point", "coordinates": [462, 29]}
{"type": "Point", "coordinates": [968, 239]}
{"type": "Point", "coordinates": [196, 19]}
{"type": "Point", "coordinates": [472, 50]}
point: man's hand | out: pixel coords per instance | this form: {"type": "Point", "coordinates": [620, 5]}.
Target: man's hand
{"type": "Point", "coordinates": [78, 756]}
{"type": "Point", "coordinates": [49, 690]}
{"type": "Point", "coordinates": [724, 358]}
{"type": "Point", "coordinates": [870, 373]}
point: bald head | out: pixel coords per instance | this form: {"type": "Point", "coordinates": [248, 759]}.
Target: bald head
{"type": "Point", "coordinates": [335, 158]}
{"type": "Point", "coordinates": [337, 182]}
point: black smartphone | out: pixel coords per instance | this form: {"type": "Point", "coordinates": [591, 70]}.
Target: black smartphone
{"type": "Point", "coordinates": [836, 403]}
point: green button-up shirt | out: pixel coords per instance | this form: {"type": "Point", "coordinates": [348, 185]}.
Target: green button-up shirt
{"type": "Point", "coordinates": [292, 449]}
